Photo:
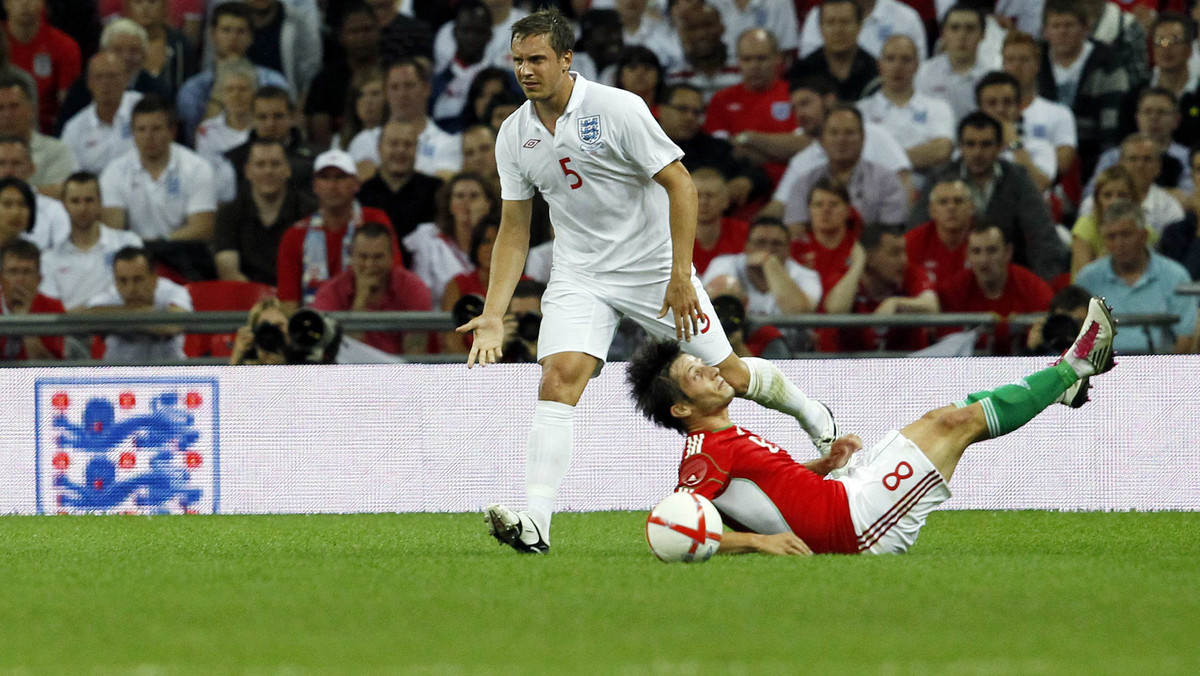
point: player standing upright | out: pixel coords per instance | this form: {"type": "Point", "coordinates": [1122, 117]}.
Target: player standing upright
{"type": "Point", "coordinates": [624, 215]}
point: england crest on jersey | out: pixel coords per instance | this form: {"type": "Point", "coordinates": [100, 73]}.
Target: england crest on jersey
{"type": "Point", "coordinates": [130, 446]}
{"type": "Point", "coordinates": [590, 132]}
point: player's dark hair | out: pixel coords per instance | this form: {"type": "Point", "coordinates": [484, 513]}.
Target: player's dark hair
{"type": "Point", "coordinates": [273, 93]}
{"type": "Point", "coordinates": [22, 250]}
{"type": "Point", "coordinates": [984, 224]}
{"type": "Point", "coordinates": [1070, 298]}
{"type": "Point", "coordinates": [153, 103]}
{"type": "Point", "coordinates": [981, 120]}
{"type": "Point", "coordinates": [81, 178]}
{"type": "Point", "coordinates": [997, 77]}
{"type": "Point", "coordinates": [858, 15]}
{"type": "Point", "coordinates": [548, 22]}
{"type": "Point", "coordinates": [237, 10]}
{"type": "Point", "coordinates": [654, 390]}
{"type": "Point", "coordinates": [478, 233]}
{"type": "Point", "coordinates": [26, 195]}
{"type": "Point", "coordinates": [132, 253]}
{"type": "Point", "coordinates": [872, 235]}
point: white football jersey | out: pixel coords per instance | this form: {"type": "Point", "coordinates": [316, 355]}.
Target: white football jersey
{"type": "Point", "coordinates": [596, 173]}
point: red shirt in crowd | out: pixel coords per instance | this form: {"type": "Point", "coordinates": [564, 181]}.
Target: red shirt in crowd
{"type": "Point", "coordinates": [871, 338]}
{"type": "Point", "coordinates": [290, 263]}
{"type": "Point", "coordinates": [925, 249]}
{"type": "Point", "coordinates": [54, 61]}
{"type": "Point", "coordinates": [1024, 292]}
{"type": "Point", "coordinates": [732, 240]}
{"type": "Point", "coordinates": [816, 510]}
{"type": "Point", "coordinates": [405, 292]}
{"type": "Point", "coordinates": [831, 264]}
{"type": "Point", "coordinates": [41, 305]}
{"type": "Point", "coordinates": [736, 109]}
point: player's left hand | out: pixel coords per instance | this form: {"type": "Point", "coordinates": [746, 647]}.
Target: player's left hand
{"type": "Point", "coordinates": [489, 336]}
{"type": "Point", "coordinates": [682, 302]}
{"type": "Point", "coordinates": [842, 448]}
{"type": "Point", "coordinates": [783, 544]}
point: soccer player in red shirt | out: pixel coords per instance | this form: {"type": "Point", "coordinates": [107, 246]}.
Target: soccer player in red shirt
{"type": "Point", "coordinates": [939, 246]}
{"type": "Point", "coordinates": [875, 502]}
{"type": "Point", "coordinates": [993, 284]}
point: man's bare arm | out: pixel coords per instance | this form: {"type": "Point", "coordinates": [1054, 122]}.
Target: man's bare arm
{"type": "Point", "coordinates": [508, 263]}
{"type": "Point", "coordinates": [681, 298]}
{"type": "Point", "coordinates": [780, 544]}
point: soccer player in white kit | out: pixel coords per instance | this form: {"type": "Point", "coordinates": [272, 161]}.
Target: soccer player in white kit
{"type": "Point", "coordinates": [624, 215]}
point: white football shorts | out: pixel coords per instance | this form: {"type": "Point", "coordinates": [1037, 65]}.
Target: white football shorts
{"type": "Point", "coordinates": [580, 313]}
{"type": "Point", "coordinates": [891, 491]}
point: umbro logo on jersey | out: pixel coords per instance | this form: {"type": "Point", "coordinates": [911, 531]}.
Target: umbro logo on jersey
{"type": "Point", "coordinates": [532, 142]}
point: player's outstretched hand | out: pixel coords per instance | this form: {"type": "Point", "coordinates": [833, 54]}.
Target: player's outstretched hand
{"type": "Point", "coordinates": [842, 448]}
{"type": "Point", "coordinates": [783, 544]}
{"type": "Point", "coordinates": [489, 335]}
{"type": "Point", "coordinates": [682, 301]}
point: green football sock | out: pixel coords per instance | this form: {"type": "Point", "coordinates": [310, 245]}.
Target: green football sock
{"type": "Point", "coordinates": [1009, 407]}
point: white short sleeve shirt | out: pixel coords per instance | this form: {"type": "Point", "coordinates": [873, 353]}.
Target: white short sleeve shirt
{"type": "Point", "coordinates": [74, 275]}
{"type": "Point", "coordinates": [597, 174]}
{"type": "Point", "coordinates": [936, 78]}
{"type": "Point", "coordinates": [95, 143]}
{"type": "Point", "coordinates": [437, 151]}
{"type": "Point", "coordinates": [1049, 121]}
{"type": "Point", "coordinates": [156, 207]}
{"type": "Point", "coordinates": [921, 120]}
{"type": "Point", "coordinates": [890, 17]}
{"type": "Point", "coordinates": [763, 302]}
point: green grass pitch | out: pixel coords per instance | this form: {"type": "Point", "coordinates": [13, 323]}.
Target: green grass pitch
{"type": "Point", "coordinates": [981, 593]}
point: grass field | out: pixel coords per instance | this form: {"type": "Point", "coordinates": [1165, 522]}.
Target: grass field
{"type": "Point", "coordinates": [982, 593]}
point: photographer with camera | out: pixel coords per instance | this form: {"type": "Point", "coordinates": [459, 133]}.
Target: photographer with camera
{"type": "Point", "coordinates": [523, 322]}
{"type": "Point", "coordinates": [1052, 334]}
{"type": "Point", "coordinates": [375, 282]}
{"type": "Point", "coordinates": [263, 338]}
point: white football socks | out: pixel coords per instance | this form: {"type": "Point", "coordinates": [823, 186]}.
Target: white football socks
{"type": "Point", "coordinates": [547, 457]}
{"type": "Point", "coordinates": [770, 388]}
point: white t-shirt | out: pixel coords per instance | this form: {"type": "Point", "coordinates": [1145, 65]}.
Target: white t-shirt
{"type": "Point", "coordinates": [435, 259]}
{"type": "Point", "coordinates": [1041, 152]}
{"type": "Point", "coordinates": [95, 144]}
{"type": "Point", "coordinates": [450, 102]}
{"type": "Point", "coordinates": [879, 147]}
{"type": "Point", "coordinates": [51, 223]}
{"type": "Point", "coordinates": [921, 120]}
{"type": "Point", "coordinates": [596, 173]}
{"type": "Point", "coordinates": [73, 275]}
{"type": "Point", "coordinates": [437, 150]}
{"type": "Point", "coordinates": [890, 17]}
{"type": "Point", "coordinates": [659, 37]}
{"type": "Point", "coordinates": [154, 208]}
{"type": "Point", "coordinates": [776, 16]}
{"type": "Point", "coordinates": [1049, 121]}
{"type": "Point", "coordinates": [763, 302]}
{"type": "Point", "coordinates": [936, 78]}
{"type": "Point", "coordinates": [144, 346]}
{"type": "Point", "coordinates": [214, 137]}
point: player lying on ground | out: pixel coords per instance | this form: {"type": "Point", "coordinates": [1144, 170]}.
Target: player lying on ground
{"type": "Point", "coordinates": [878, 503]}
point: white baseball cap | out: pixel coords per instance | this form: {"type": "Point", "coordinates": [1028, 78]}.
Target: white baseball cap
{"type": "Point", "coordinates": [335, 158]}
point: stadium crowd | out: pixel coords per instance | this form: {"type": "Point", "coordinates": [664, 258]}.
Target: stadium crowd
{"type": "Point", "coordinates": [849, 156]}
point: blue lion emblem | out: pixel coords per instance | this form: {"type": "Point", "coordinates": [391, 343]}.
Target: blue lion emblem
{"type": "Point", "coordinates": [589, 130]}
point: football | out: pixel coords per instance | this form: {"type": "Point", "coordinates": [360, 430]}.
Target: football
{"type": "Point", "coordinates": [685, 528]}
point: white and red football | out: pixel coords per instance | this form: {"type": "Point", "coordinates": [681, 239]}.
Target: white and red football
{"type": "Point", "coordinates": [684, 527]}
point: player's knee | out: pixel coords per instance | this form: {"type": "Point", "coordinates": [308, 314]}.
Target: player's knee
{"type": "Point", "coordinates": [563, 382]}
{"type": "Point", "coordinates": [951, 418]}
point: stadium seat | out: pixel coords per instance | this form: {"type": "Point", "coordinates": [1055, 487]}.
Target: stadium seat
{"type": "Point", "coordinates": [217, 296]}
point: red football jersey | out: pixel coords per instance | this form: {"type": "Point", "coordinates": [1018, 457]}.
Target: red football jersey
{"type": "Point", "coordinates": [831, 264]}
{"type": "Point", "coordinates": [816, 510]}
{"type": "Point", "coordinates": [916, 282]}
{"type": "Point", "coordinates": [1024, 293]}
{"type": "Point", "coordinates": [731, 241]}
{"type": "Point", "coordinates": [926, 250]}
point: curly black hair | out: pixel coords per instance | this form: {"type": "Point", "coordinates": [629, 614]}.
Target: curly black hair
{"type": "Point", "coordinates": [654, 390]}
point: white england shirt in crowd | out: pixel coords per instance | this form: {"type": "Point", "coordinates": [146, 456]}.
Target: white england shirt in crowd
{"type": "Point", "coordinates": [436, 260]}
{"type": "Point", "coordinates": [453, 98]}
{"type": "Point", "coordinates": [776, 16]}
{"type": "Point", "coordinates": [921, 120]}
{"type": "Point", "coordinates": [888, 18]}
{"type": "Point", "coordinates": [437, 151]}
{"type": "Point", "coordinates": [936, 78]}
{"type": "Point", "coordinates": [596, 173]}
{"type": "Point", "coordinates": [95, 143]}
{"type": "Point", "coordinates": [1041, 152]}
{"type": "Point", "coordinates": [1026, 13]}
{"type": "Point", "coordinates": [539, 261]}
{"type": "Point", "coordinates": [879, 146]}
{"type": "Point", "coordinates": [498, 52]}
{"type": "Point", "coordinates": [51, 223]}
{"type": "Point", "coordinates": [1159, 208]}
{"type": "Point", "coordinates": [763, 302]}
{"type": "Point", "coordinates": [1049, 121]}
{"type": "Point", "coordinates": [156, 207]}
{"type": "Point", "coordinates": [144, 346]}
{"type": "Point", "coordinates": [75, 275]}
{"type": "Point", "coordinates": [214, 137]}
{"type": "Point", "coordinates": [658, 36]}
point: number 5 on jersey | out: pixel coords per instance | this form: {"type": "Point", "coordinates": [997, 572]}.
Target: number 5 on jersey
{"type": "Point", "coordinates": [575, 180]}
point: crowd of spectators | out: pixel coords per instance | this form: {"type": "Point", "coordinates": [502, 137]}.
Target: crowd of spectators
{"type": "Point", "coordinates": [849, 156]}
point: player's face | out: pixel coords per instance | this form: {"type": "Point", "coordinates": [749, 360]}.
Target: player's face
{"type": "Point", "coordinates": [898, 62]}
{"type": "Point", "coordinates": [135, 282]}
{"type": "Point", "coordinates": [82, 200]}
{"type": "Point", "coordinates": [961, 34]}
{"type": "Point", "coordinates": [702, 384]}
{"type": "Point", "coordinates": [1021, 62]}
{"type": "Point", "coordinates": [950, 206]}
{"type": "Point", "coordinates": [839, 27]}
{"type": "Point", "coordinates": [999, 101]}
{"type": "Point", "coordinates": [988, 255]}
{"type": "Point", "coordinates": [541, 73]}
